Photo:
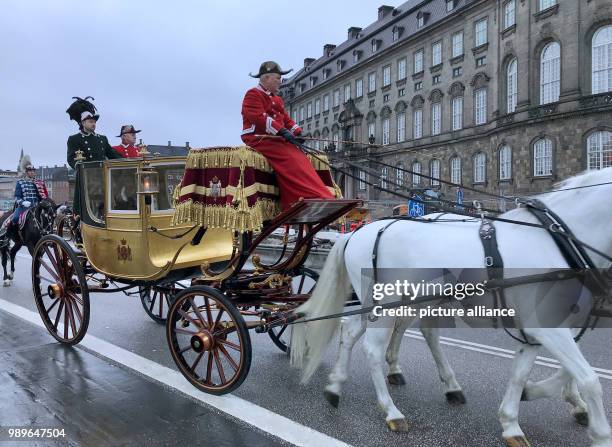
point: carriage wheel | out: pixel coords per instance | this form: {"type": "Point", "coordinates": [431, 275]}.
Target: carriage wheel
{"type": "Point", "coordinates": [303, 283]}
{"type": "Point", "coordinates": [156, 299]}
{"type": "Point", "coordinates": [209, 340]}
{"type": "Point", "coordinates": [64, 228]}
{"type": "Point", "coordinates": [60, 290]}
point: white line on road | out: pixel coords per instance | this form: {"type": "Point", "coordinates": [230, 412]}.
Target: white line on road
{"type": "Point", "coordinates": [234, 406]}
{"type": "Point", "coordinates": [500, 352]}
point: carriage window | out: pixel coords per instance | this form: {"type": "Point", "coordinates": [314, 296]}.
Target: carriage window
{"type": "Point", "coordinates": [94, 194]}
{"type": "Point", "coordinates": [123, 189]}
{"type": "Point", "coordinates": [170, 177]}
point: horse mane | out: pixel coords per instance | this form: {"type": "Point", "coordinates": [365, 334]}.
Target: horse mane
{"type": "Point", "coordinates": [583, 179]}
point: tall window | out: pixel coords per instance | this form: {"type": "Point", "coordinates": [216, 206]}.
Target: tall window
{"type": "Point", "coordinates": [436, 53]}
{"type": "Point", "coordinates": [401, 127]}
{"type": "Point", "coordinates": [309, 110]}
{"type": "Point", "coordinates": [602, 60]}
{"type": "Point", "coordinates": [511, 85]}
{"type": "Point", "coordinates": [302, 113]}
{"type": "Point", "coordinates": [336, 97]}
{"type": "Point", "coordinates": [399, 175]}
{"type": "Point", "coordinates": [457, 104]}
{"type": "Point", "coordinates": [434, 172]}
{"type": "Point", "coordinates": [347, 92]}
{"type": "Point", "coordinates": [401, 69]}
{"type": "Point", "coordinates": [371, 129]}
{"type": "Point", "coordinates": [509, 13]}
{"type": "Point", "coordinates": [374, 45]}
{"type": "Point", "coordinates": [545, 4]}
{"type": "Point", "coordinates": [358, 88]}
{"type": "Point", "coordinates": [372, 82]}
{"type": "Point", "coordinates": [480, 33]}
{"type": "Point", "coordinates": [457, 44]}
{"type": "Point", "coordinates": [550, 73]}
{"type": "Point", "coordinates": [542, 157]}
{"type": "Point", "coordinates": [336, 140]}
{"type": "Point", "coordinates": [479, 167]}
{"type": "Point", "coordinates": [436, 118]}
{"type": "Point", "coordinates": [416, 170]}
{"type": "Point", "coordinates": [599, 150]}
{"type": "Point", "coordinates": [418, 61]}
{"type": "Point", "coordinates": [480, 106]}
{"type": "Point", "coordinates": [317, 106]}
{"type": "Point", "coordinates": [417, 123]}
{"type": "Point", "coordinates": [294, 115]}
{"type": "Point", "coordinates": [505, 162]}
{"type": "Point", "coordinates": [362, 180]}
{"type": "Point", "coordinates": [384, 174]}
{"type": "Point", "coordinates": [385, 131]}
{"type": "Point", "coordinates": [325, 103]}
{"type": "Point", "coordinates": [455, 170]}
{"type": "Point", "coordinates": [386, 75]}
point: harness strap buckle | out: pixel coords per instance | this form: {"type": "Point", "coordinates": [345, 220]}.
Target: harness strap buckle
{"type": "Point", "coordinates": [489, 261]}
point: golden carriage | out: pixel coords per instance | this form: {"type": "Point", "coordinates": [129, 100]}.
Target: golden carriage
{"type": "Point", "coordinates": [185, 259]}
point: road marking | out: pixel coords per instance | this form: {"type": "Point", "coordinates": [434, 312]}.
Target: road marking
{"type": "Point", "coordinates": [500, 352]}
{"type": "Point", "coordinates": [259, 417]}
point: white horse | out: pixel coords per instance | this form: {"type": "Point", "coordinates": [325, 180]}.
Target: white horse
{"type": "Point", "coordinates": [414, 245]}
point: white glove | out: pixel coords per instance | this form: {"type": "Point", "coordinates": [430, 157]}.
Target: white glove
{"type": "Point", "coordinates": [26, 203]}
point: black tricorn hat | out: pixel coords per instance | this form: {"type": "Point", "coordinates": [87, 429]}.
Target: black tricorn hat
{"type": "Point", "coordinates": [270, 67]}
{"type": "Point", "coordinates": [82, 109]}
{"type": "Point", "coordinates": [127, 128]}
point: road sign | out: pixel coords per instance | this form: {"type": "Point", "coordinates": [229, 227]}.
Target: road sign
{"type": "Point", "coordinates": [416, 209]}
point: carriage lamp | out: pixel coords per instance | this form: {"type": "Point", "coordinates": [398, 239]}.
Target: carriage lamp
{"type": "Point", "coordinates": [148, 180]}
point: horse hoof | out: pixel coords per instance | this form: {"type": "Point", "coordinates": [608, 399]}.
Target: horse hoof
{"type": "Point", "coordinates": [6, 283]}
{"type": "Point", "coordinates": [332, 398]}
{"type": "Point", "coordinates": [396, 379]}
{"type": "Point", "coordinates": [455, 398]}
{"type": "Point", "coordinates": [517, 441]}
{"type": "Point", "coordinates": [11, 276]}
{"type": "Point", "coordinates": [582, 418]}
{"type": "Point", "coordinates": [398, 425]}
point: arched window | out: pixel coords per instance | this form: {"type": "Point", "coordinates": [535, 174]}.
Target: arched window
{"type": "Point", "coordinates": [512, 85]}
{"type": "Point", "coordinates": [505, 162]}
{"type": "Point", "coordinates": [602, 60]}
{"type": "Point", "coordinates": [550, 73]}
{"type": "Point", "coordinates": [455, 170]}
{"type": "Point", "coordinates": [434, 172]}
{"type": "Point", "coordinates": [599, 150]}
{"type": "Point", "coordinates": [399, 175]}
{"type": "Point", "coordinates": [542, 157]}
{"type": "Point", "coordinates": [479, 167]}
{"type": "Point", "coordinates": [416, 170]}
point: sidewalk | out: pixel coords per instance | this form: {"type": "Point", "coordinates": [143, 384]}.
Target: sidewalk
{"type": "Point", "coordinates": [45, 384]}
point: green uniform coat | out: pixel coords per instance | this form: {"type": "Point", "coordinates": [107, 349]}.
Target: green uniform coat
{"type": "Point", "coordinates": [95, 148]}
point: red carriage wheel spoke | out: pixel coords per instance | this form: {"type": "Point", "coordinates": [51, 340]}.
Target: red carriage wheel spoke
{"type": "Point", "coordinates": [53, 274]}
{"type": "Point", "coordinates": [186, 315]}
{"type": "Point", "coordinates": [219, 366]}
{"type": "Point", "coordinates": [184, 331]}
{"type": "Point", "coordinates": [66, 322]}
{"type": "Point", "coordinates": [229, 344]}
{"type": "Point", "coordinates": [161, 304]}
{"type": "Point", "coordinates": [217, 319]}
{"type": "Point", "coordinates": [47, 279]}
{"type": "Point", "coordinates": [75, 307]}
{"type": "Point", "coordinates": [52, 306]}
{"type": "Point", "coordinates": [56, 264]}
{"type": "Point", "coordinates": [185, 349]}
{"type": "Point", "coordinates": [197, 360]}
{"type": "Point", "coordinates": [71, 317]}
{"type": "Point", "coordinates": [280, 333]}
{"type": "Point", "coordinates": [209, 368]}
{"type": "Point", "coordinates": [232, 362]}
{"type": "Point", "coordinates": [208, 311]}
{"type": "Point", "coordinates": [59, 314]}
{"type": "Point", "coordinates": [61, 262]}
{"type": "Point", "coordinates": [153, 301]}
{"type": "Point", "coordinates": [197, 312]}
{"type": "Point", "coordinates": [74, 297]}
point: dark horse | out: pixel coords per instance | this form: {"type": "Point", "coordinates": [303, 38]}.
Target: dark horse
{"type": "Point", "coordinates": [38, 223]}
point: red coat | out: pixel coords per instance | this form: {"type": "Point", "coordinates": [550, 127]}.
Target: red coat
{"type": "Point", "coordinates": [129, 151]}
{"type": "Point", "coordinates": [264, 113]}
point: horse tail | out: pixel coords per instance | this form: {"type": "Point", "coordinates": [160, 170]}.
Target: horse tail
{"type": "Point", "coordinates": [308, 340]}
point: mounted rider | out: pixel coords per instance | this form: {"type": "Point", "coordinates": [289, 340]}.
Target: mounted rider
{"type": "Point", "coordinates": [263, 113]}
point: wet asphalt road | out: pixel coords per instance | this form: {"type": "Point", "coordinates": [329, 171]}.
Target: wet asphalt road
{"type": "Point", "coordinates": [273, 385]}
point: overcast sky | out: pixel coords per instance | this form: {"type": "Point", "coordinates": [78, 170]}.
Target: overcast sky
{"type": "Point", "coordinates": [177, 70]}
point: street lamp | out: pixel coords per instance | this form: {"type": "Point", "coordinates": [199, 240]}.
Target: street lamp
{"type": "Point", "coordinates": [372, 139]}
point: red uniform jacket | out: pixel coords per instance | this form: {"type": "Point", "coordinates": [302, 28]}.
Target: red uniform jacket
{"type": "Point", "coordinates": [129, 151]}
{"type": "Point", "coordinates": [264, 113]}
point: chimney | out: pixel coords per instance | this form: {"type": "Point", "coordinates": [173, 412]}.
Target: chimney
{"type": "Point", "coordinates": [187, 144]}
{"type": "Point", "coordinates": [308, 61]}
{"type": "Point", "coordinates": [328, 48]}
{"type": "Point", "coordinates": [353, 32]}
{"type": "Point", "coordinates": [169, 143]}
{"type": "Point", "coordinates": [384, 11]}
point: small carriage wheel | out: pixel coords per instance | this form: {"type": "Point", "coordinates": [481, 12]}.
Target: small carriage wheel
{"type": "Point", "coordinates": [209, 340]}
{"type": "Point", "coordinates": [156, 299]}
{"type": "Point", "coordinates": [303, 283]}
{"type": "Point", "coordinates": [64, 228]}
{"type": "Point", "coordinates": [60, 289]}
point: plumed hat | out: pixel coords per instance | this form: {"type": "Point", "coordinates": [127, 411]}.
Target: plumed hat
{"type": "Point", "coordinates": [82, 109]}
{"type": "Point", "coordinates": [25, 163]}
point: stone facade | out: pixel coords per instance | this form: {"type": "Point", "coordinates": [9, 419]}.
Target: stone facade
{"type": "Point", "coordinates": [482, 65]}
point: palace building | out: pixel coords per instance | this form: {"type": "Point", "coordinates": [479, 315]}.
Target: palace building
{"type": "Point", "coordinates": [507, 96]}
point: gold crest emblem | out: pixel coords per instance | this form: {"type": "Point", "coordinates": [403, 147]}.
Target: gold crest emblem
{"type": "Point", "coordinates": [124, 252]}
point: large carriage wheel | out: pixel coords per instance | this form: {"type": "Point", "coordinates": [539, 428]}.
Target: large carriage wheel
{"type": "Point", "coordinates": [302, 283]}
{"type": "Point", "coordinates": [60, 290]}
{"type": "Point", "coordinates": [64, 228]}
{"type": "Point", "coordinates": [209, 340]}
{"type": "Point", "coordinates": [156, 299]}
